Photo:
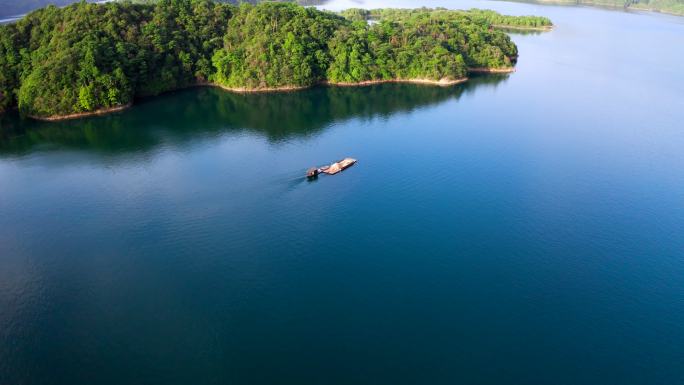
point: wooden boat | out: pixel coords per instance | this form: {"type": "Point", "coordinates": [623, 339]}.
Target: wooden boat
{"type": "Point", "coordinates": [331, 169]}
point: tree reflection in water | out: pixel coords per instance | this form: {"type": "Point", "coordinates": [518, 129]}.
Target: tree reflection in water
{"type": "Point", "coordinates": [187, 114]}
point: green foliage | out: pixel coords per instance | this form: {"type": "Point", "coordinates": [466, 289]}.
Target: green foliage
{"type": "Point", "coordinates": [395, 51]}
{"type": "Point", "coordinates": [499, 20]}
{"type": "Point", "coordinates": [275, 45]}
{"type": "Point", "coordinates": [480, 16]}
{"type": "Point", "coordinates": [356, 14]}
{"type": "Point", "coordinates": [418, 43]}
{"type": "Point", "coordinates": [85, 57]}
{"type": "Point", "coordinates": [91, 56]}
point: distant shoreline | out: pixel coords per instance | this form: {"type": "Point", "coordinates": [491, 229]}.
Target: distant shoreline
{"type": "Point", "coordinates": [544, 28]}
{"type": "Point", "coordinates": [243, 90]}
{"type": "Point", "coordinates": [613, 7]}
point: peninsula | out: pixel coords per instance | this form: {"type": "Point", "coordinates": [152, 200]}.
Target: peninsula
{"type": "Point", "coordinates": [84, 59]}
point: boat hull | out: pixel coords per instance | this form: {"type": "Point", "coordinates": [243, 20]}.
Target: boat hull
{"type": "Point", "coordinates": [339, 166]}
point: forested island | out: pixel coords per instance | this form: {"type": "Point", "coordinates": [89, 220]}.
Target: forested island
{"type": "Point", "coordinates": [91, 58]}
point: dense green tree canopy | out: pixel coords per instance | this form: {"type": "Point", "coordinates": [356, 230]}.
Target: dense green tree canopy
{"type": "Point", "coordinates": [275, 45]}
{"type": "Point", "coordinates": [87, 57]}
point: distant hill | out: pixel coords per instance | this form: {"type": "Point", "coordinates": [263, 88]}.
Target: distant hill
{"type": "Point", "coordinates": [9, 8]}
{"type": "Point", "coordinates": [674, 7]}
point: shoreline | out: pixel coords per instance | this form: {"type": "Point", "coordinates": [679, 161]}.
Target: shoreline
{"type": "Point", "coordinates": [441, 82]}
{"type": "Point", "coordinates": [484, 70]}
{"type": "Point", "coordinates": [242, 90]}
{"type": "Point", "coordinates": [544, 28]}
{"type": "Point", "coordinates": [78, 115]}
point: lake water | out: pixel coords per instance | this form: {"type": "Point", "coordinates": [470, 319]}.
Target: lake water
{"type": "Point", "coordinates": [521, 229]}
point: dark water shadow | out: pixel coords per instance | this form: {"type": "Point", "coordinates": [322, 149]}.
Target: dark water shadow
{"type": "Point", "coordinates": [185, 115]}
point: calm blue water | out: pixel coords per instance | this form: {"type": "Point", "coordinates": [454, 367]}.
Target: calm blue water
{"type": "Point", "coordinates": [524, 229]}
